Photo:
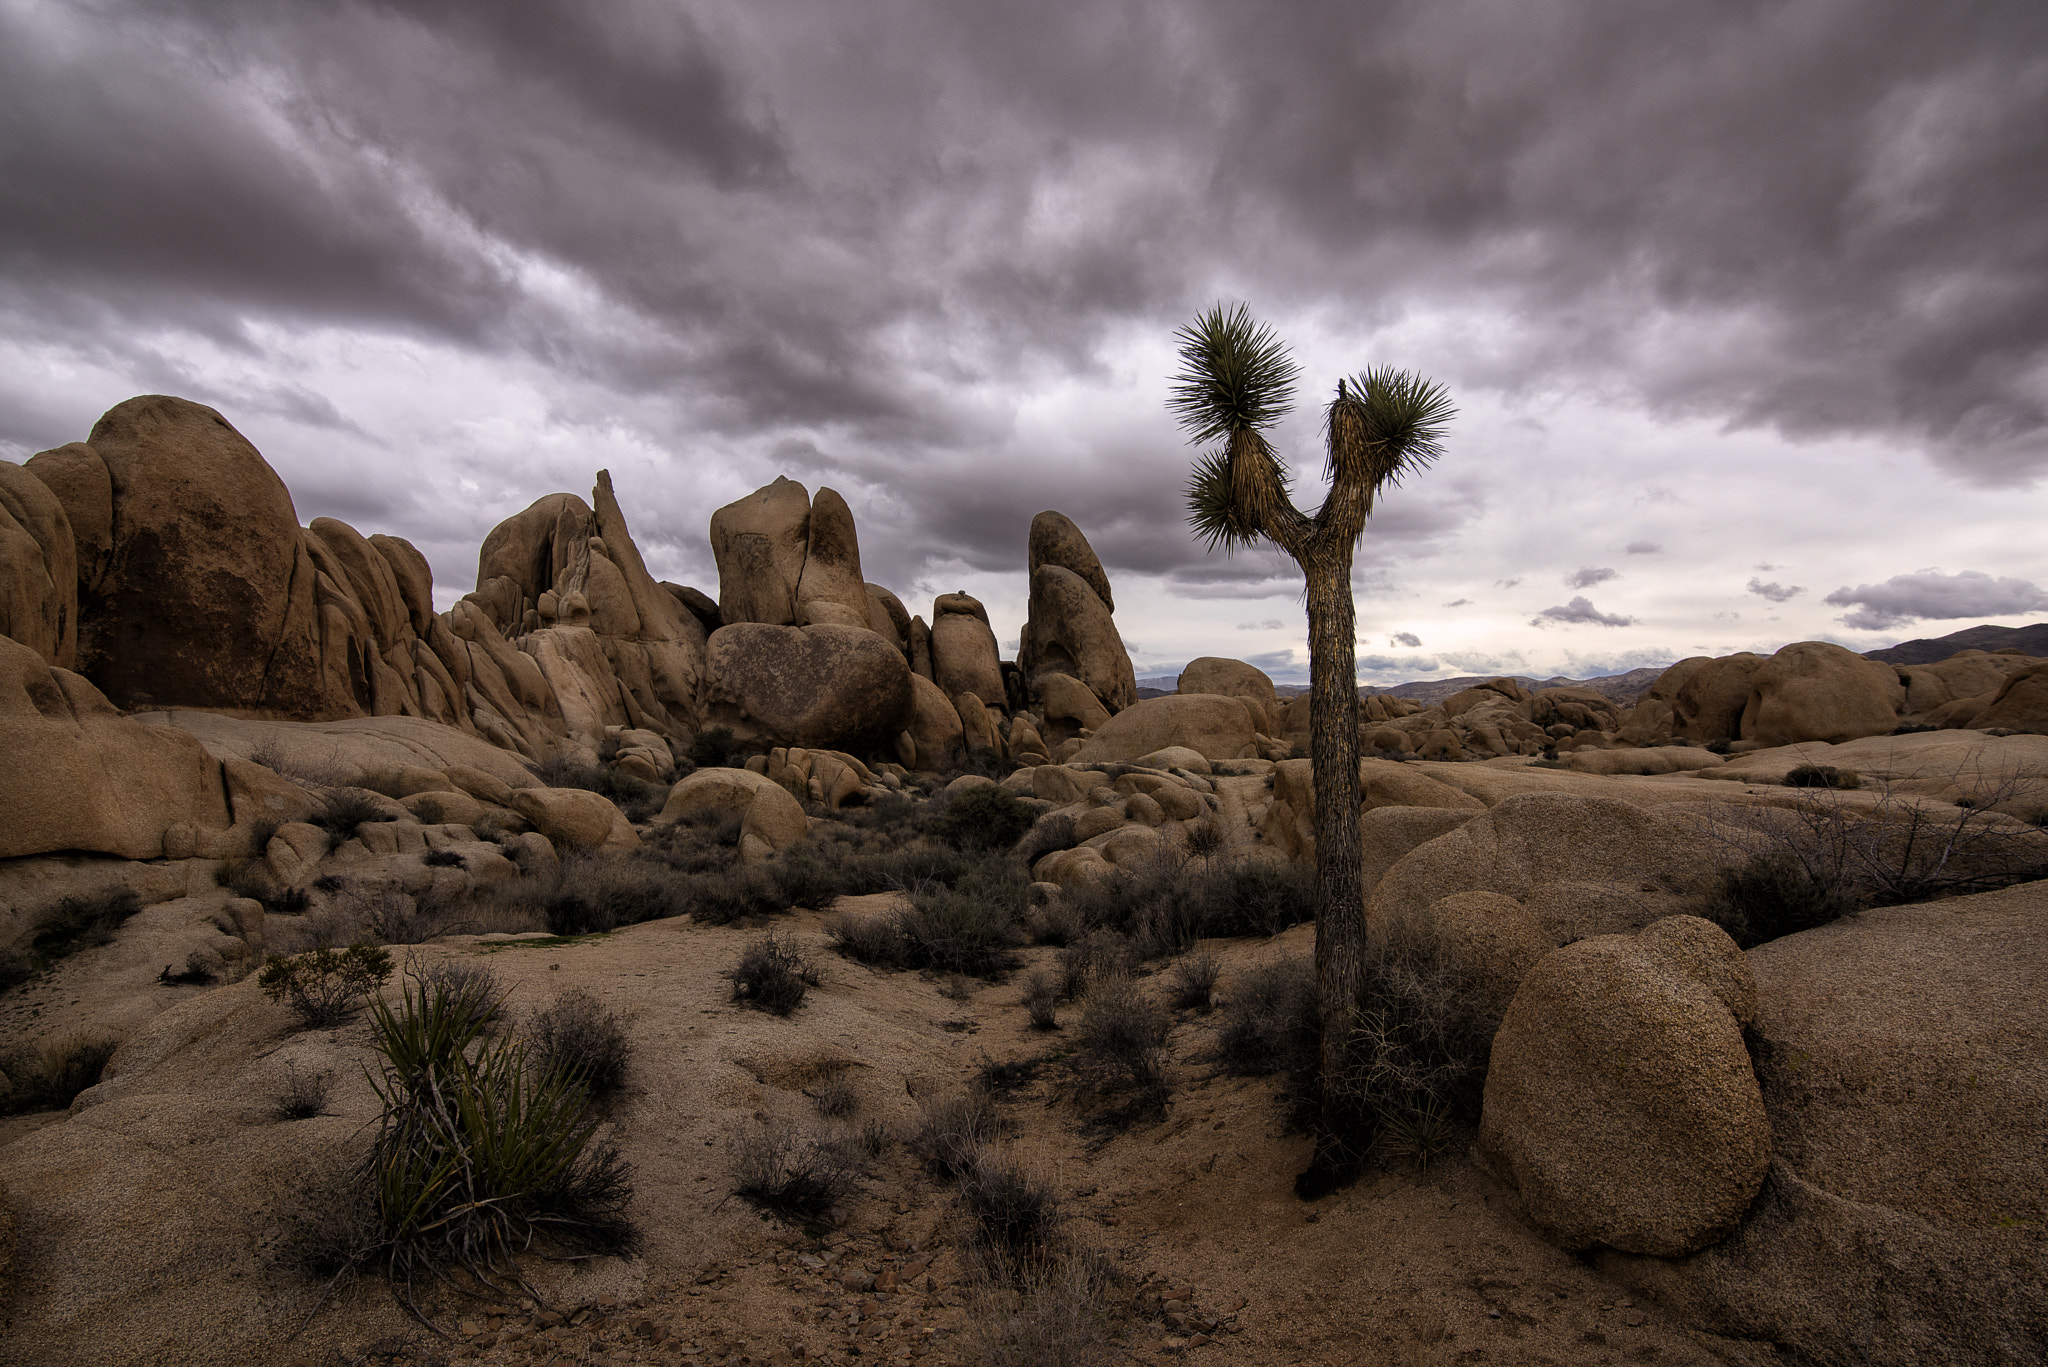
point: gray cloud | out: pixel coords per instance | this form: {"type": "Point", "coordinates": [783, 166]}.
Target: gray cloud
{"type": "Point", "coordinates": [1578, 612]}
{"type": "Point", "coordinates": [1404, 638]}
{"type": "Point", "coordinates": [1587, 576]}
{"type": "Point", "coordinates": [1644, 548]}
{"type": "Point", "coordinates": [1930, 593]}
{"type": "Point", "coordinates": [1270, 624]}
{"type": "Point", "coordinates": [1777, 593]}
{"type": "Point", "coordinates": [1459, 603]}
{"type": "Point", "coordinates": [1401, 664]}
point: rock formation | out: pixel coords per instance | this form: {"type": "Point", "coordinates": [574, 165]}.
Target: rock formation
{"type": "Point", "coordinates": [1071, 629]}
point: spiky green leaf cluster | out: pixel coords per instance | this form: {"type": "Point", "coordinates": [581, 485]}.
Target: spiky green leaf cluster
{"type": "Point", "coordinates": [1236, 376]}
{"type": "Point", "coordinates": [1397, 424]}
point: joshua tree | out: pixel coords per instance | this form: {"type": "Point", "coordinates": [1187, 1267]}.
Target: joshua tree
{"type": "Point", "coordinates": [1237, 380]}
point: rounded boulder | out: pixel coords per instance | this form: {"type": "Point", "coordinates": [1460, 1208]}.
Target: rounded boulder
{"type": "Point", "coordinates": [1620, 1100]}
{"type": "Point", "coordinates": [1214, 726]}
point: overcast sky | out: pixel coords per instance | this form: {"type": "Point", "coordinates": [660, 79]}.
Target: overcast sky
{"type": "Point", "coordinates": [1744, 305]}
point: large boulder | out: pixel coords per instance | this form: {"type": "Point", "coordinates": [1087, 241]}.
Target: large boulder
{"type": "Point", "coordinates": [1709, 702]}
{"type": "Point", "coordinates": [760, 543]}
{"type": "Point", "coordinates": [770, 818]}
{"type": "Point", "coordinates": [1217, 727]}
{"type": "Point", "coordinates": [38, 568]}
{"type": "Point", "coordinates": [207, 594]}
{"type": "Point", "coordinates": [1814, 690]}
{"type": "Point", "coordinates": [1235, 679]}
{"type": "Point", "coordinates": [831, 592]}
{"type": "Point", "coordinates": [1905, 1219]}
{"type": "Point", "coordinates": [2020, 704]}
{"type": "Point", "coordinates": [574, 819]}
{"type": "Point", "coordinates": [887, 617]}
{"type": "Point", "coordinates": [937, 735]}
{"type": "Point", "coordinates": [83, 777]}
{"type": "Point", "coordinates": [829, 687]}
{"type": "Point", "coordinates": [1583, 866]}
{"type": "Point", "coordinates": [1070, 629]}
{"type": "Point", "coordinates": [1620, 1101]}
{"type": "Point", "coordinates": [963, 646]}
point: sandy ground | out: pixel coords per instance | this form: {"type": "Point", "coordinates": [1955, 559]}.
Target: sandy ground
{"type": "Point", "coordinates": [1218, 1260]}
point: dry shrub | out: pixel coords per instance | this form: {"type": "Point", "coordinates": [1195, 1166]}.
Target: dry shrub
{"type": "Point", "coordinates": [772, 975]}
{"type": "Point", "coordinates": [1057, 1312]}
{"type": "Point", "coordinates": [1013, 1216]}
{"type": "Point", "coordinates": [1271, 1022]}
{"type": "Point", "coordinates": [799, 1175]}
{"type": "Point", "coordinates": [1099, 954]}
{"type": "Point", "coordinates": [1192, 982]}
{"type": "Point", "coordinates": [580, 1038]}
{"type": "Point", "coordinates": [302, 1095]}
{"type": "Point", "coordinates": [1415, 1059]}
{"type": "Point", "coordinates": [837, 1095]}
{"type": "Point", "coordinates": [869, 939]}
{"type": "Point", "coordinates": [1123, 1050]}
{"type": "Point", "coordinates": [952, 1131]}
{"type": "Point", "coordinates": [50, 1077]}
{"type": "Point", "coordinates": [1041, 999]}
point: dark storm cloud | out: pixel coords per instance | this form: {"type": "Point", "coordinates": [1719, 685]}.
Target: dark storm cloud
{"type": "Point", "coordinates": [863, 231]}
{"type": "Point", "coordinates": [1929, 593]}
{"type": "Point", "coordinates": [1578, 612]}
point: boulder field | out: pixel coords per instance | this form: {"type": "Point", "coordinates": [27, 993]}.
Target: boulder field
{"type": "Point", "coordinates": [1827, 1141]}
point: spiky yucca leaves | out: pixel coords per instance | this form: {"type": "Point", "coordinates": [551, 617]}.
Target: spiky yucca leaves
{"type": "Point", "coordinates": [480, 1156]}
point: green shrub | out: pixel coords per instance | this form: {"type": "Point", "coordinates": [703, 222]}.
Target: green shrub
{"type": "Point", "coordinates": [581, 1039]}
{"type": "Point", "coordinates": [986, 819]}
{"type": "Point", "coordinates": [326, 986]}
{"type": "Point", "coordinates": [50, 1077]}
{"type": "Point", "coordinates": [712, 748]}
{"type": "Point", "coordinates": [806, 878]}
{"type": "Point", "coordinates": [772, 975]}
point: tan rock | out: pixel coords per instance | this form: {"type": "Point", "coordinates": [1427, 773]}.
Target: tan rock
{"type": "Point", "coordinates": [841, 687]}
{"type": "Point", "coordinates": [887, 617]}
{"type": "Point", "coordinates": [2021, 704]}
{"type": "Point", "coordinates": [83, 777]}
{"type": "Point", "coordinates": [1217, 727]}
{"type": "Point", "coordinates": [935, 727]}
{"type": "Point", "coordinates": [964, 658]}
{"type": "Point", "coordinates": [1665, 759]}
{"type": "Point", "coordinates": [760, 543]}
{"type": "Point", "coordinates": [1069, 706]}
{"type": "Point", "coordinates": [831, 591]}
{"type": "Point", "coordinates": [1388, 783]}
{"type": "Point", "coordinates": [767, 813]}
{"type": "Point", "coordinates": [1488, 938]}
{"type": "Point", "coordinates": [1388, 834]}
{"type": "Point", "coordinates": [977, 725]}
{"type": "Point", "coordinates": [1815, 690]}
{"type": "Point", "coordinates": [207, 598]}
{"type": "Point", "coordinates": [1709, 701]}
{"type": "Point", "coordinates": [1236, 679]}
{"type": "Point", "coordinates": [1630, 1047]}
{"type": "Point", "coordinates": [574, 819]}
{"type": "Point", "coordinates": [78, 477]}
{"type": "Point", "coordinates": [1055, 540]}
{"type": "Point", "coordinates": [38, 568]}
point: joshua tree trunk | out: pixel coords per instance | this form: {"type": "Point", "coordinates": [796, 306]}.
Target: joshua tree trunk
{"type": "Point", "coordinates": [1333, 747]}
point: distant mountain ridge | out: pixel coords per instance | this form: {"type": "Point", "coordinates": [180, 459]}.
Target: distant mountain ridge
{"type": "Point", "coordinates": [1927, 650]}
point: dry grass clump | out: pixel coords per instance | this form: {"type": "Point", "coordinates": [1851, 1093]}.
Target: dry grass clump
{"type": "Point", "coordinates": [1099, 954]}
{"type": "Point", "coordinates": [1041, 1000]}
{"type": "Point", "coordinates": [1415, 1060]}
{"type": "Point", "coordinates": [76, 923]}
{"type": "Point", "coordinates": [1059, 1315]}
{"type": "Point", "coordinates": [1168, 904]}
{"type": "Point", "coordinates": [302, 1095]}
{"type": "Point", "coordinates": [952, 1131]}
{"type": "Point", "coordinates": [1271, 1022]}
{"type": "Point", "coordinates": [1192, 983]}
{"type": "Point", "coordinates": [1822, 776]}
{"type": "Point", "coordinates": [836, 1095]}
{"type": "Point", "coordinates": [1013, 1216]}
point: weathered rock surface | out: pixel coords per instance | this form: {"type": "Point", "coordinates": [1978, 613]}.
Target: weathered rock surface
{"type": "Point", "coordinates": [1071, 629]}
{"type": "Point", "coordinates": [80, 776]}
{"type": "Point", "coordinates": [1818, 691]}
{"type": "Point", "coordinates": [1630, 1048]}
{"type": "Point", "coordinates": [38, 568]}
{"type": "Point", "coordinates": [963, 646]}
{"type": "Point", "coordinates": [830, 591]}
{"type": "Point", "coordinates": [1905, 1219]}
{"type": "Point", "coordinates": [1235, 679]}
{"type": "Point", "coordinates": [1217, 727]}
{"type": "Point", "coordinates": [770, 818]}
{"type": "Point", "coordinates": [825, 686]}
{"type": "Point", "coordinates": [760, 543]}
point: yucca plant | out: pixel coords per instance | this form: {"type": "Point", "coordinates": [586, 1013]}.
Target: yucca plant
{"type": "Point", "coordinates": [480, 1156]}
{"type": "Point", "coordinates": [1237, 380]}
